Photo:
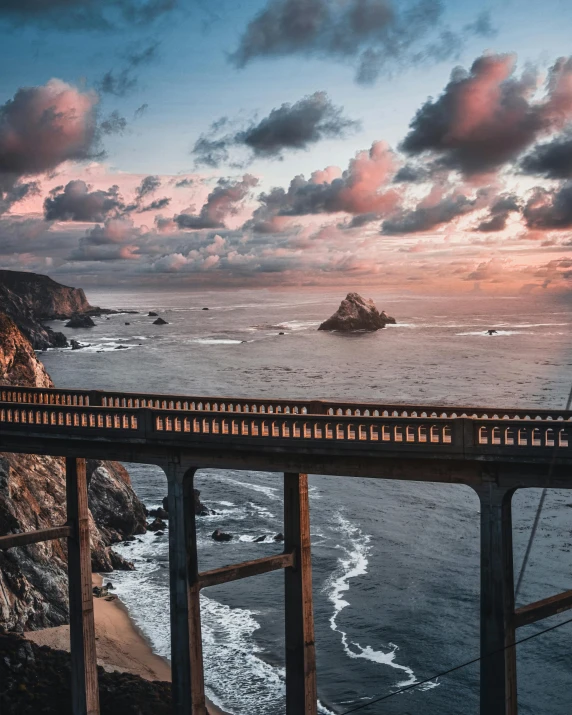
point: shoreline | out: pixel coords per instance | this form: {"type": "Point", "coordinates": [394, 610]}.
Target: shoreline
{"type": "Point", "coordinates": [121, 646]}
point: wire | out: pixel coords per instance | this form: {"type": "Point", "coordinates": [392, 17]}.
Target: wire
{"type": "Point", "coordinates": [457, 667]}
{"type": "Point", "coordinates": [538, 511]}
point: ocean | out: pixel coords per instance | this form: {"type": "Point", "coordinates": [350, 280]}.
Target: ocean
{"type": "Point", "coordinates": [395, 565]}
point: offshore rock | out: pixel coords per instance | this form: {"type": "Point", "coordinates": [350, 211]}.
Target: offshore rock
{"type": "Point", "coordinates": [356, 313]}
{"type": "Point", "coordinates": [80, 321]}
{"type": "Point", "coordinates": [219, 535]}
{"type": "Point", "coordinates": [160, 321]}
{"type": "Point", "coordinates": [33, 579]}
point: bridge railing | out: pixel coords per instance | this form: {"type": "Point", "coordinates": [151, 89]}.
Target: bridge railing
{"type": "Point", "coordinates": [419, 434]}
{"type": "Point", "coordinates": [101, 398]}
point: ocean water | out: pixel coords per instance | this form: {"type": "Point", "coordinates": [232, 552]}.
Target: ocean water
{"type": "Point", "coordinates": [395, 564]}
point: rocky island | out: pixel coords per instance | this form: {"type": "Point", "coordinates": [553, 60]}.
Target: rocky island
{"type": "Point", "coordinates": [356, 313]}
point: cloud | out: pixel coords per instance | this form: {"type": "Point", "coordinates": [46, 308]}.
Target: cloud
{"type": "Point", "coordinates": [486, 117]}
{"type": "Point", "coordinates": [411, 174]}
{"type": "Point", "coordinates": [290, 126]}
{"type": "Point", "coordinates": [96, 15]}
{"type": "Point", "coordinates": [156, 205]}
{"type": "Point", "coordinates": [358, 190]}
{"type": "Point", "coordinates": [435, 210]}
{"type": "Point", "coordinates": [553, 160]}
{"type": "Point", "coordinates": [223, 201]}
{"type": "Point", "coordinates": [499, 213]}
{"type": "Point", "coordinates": [120, 82]}
{"type": "Point", "coordinates": [110, 242]}
{"type": "Point", "coordinates": [40, 128]}
{"type": "Point", "coordinates": [376, 35]}
{"type": "Point", "coordinates": [549, 208]}
{"type": "Point", "coordinates": [140, 111]}
{"type": "Point", "coordinates": [113, 124]}
{"type": "Point", "coordinates": [148, 185]}
{"type": "Point", "coordinates": [76, 202]}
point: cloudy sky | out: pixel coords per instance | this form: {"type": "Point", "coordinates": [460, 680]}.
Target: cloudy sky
{"type": "Point", "coordinates": [420, 145]}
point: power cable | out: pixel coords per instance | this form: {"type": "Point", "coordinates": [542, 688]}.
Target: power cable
{"type": "Point", "coordinates": [452, 670]}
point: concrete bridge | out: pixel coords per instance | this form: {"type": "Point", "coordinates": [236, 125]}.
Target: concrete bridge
{"type": "Point", "coordinates": [495, 451]}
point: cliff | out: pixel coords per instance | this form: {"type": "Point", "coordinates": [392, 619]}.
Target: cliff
{"type": "Point", "coordinates": [29, 299]}
{"type": "Point", "coordinates": [33, 579]}
{"type": "Point", "coordinates": [356, 313]}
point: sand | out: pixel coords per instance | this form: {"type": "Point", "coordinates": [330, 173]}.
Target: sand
{"type": "Point", "coordinates": [120, 644]}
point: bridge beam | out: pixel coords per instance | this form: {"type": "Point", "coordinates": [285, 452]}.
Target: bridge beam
{"type": "Point", "coordinates": [84, 686]}
{"type": "Point", "coordinates": [498, 692]}
{"type": "Point", "coordinates": [301, 691]}
{"type": "Point", "coordinates": [188, 689]}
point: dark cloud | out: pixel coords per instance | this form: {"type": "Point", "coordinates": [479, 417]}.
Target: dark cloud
{"type": "Point", "coordinates": [147, 186]}
{"type": "Point", "coordinates": [430, 214]}
{"type": "Point", "coordinates": [77, 203]}
{"type": "Point", "coordinates": [411, 174]}
{"type": "Point", "coordinates": [223, 201]}
{"type": "Point", "coordinates": [94, 15]}
{"type": "Point", "coordinates": [184, 183]}
{"type": "Point", "coordinates": [552, 160]}
{"type": "Point", "coordinates": [488, 116]}
{"type": "Point", "coordinates": [113, 124]}
{"type": "Point", "coordinates": [156, 205]}
{"type": "Point", "coordinates": [140, 111]}
{"type": "Point", "coordinates": [548, 209]}
{"type": "Point", "coordinates": [377, 35]}
{"type": "Point", "coordinates": [120, 82]}
{"type": "Point", "coordinates": [13, 191]}
{"type": "Point", "coordinates": [499, 213]}
{"type": "Point", "coordinates": [291, 126]}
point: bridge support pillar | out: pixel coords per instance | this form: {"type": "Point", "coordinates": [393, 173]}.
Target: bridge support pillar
{"type": "Point", "coordinates": [186, 645]}
{"type": "Point", "coordinates": [498, 693]}
{"type": "Point", "coordinates": [84, 686]}
{"type": "Point", "coordinates": [301, 691]}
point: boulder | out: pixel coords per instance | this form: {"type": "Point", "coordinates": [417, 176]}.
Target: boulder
{"type": "Point", "coordinates": [219, 535]}
{"type": "Point", "coordinates": [205, 308]}
{"type": "Point", "coordinates": [151, 314]}
{"type": "Point", "coordinates": [356, 313]}
{"type": "Point", "coordinates": [76, 346]}
{"type": "Point", "coordinates": [279, 537]}
{"type": "Point", "coordinates": [157, 525]}
{"type": "Point", "coordinates": [259, 539]}
{"type": "Point", "coordinates": [160, 513]}
{"type": "Point", "coordinates": [200, 508]}
{"type": "Point", "coordinates": [160, 321]}
{"type": "Point", "coordinates": [80, 321]}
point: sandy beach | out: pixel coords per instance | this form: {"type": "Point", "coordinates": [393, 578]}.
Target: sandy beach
{"type": "Point", "coordinates": [120, 644]}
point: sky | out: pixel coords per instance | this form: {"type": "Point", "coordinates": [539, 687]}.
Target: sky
{"type": "Point", "coordinates": [419, 145]}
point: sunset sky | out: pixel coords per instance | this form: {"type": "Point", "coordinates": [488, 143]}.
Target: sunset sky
{"type": "Point", "coordinates": [420, 146]}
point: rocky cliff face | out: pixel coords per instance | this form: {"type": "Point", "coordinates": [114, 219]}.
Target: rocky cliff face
{"type": "Point", "coordinates": [29, 299]}
{"type": "Point", "coordinates": [356, 313]}
{"type": "Point", "coordinates": [33, 579]}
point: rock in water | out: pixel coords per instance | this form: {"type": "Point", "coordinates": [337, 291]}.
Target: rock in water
{"type": "Point", "coordinates": [219, 535]}
{"type": "Point", "coordinates": [160, 321]}
{"type": "Point", "coordinates": [152, 314]}
{"type": "Point", "coordinates": [80, 321]}
{"type": "Point", "coordinates": [356, 313]}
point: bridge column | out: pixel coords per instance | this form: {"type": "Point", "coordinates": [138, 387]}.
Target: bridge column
{"type": "Point", "coordinates": [301, 693]}
{"type": "Point", "coordinates": [84, 687]}
{"type": "Point", "coordinates": [498, 692]}
{"type": "Point", "coordinates": [186, 644]}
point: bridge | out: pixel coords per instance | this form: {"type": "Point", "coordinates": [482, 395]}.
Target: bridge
{"type": "Point", "coordinates": [492, 450]}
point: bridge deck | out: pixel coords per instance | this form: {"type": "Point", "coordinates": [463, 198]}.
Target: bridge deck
{"type": "Point", "coordinates": [492, 450]}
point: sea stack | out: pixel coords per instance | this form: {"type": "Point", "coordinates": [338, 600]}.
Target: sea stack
{"type": "Point", "coordinates": [356, 313]}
